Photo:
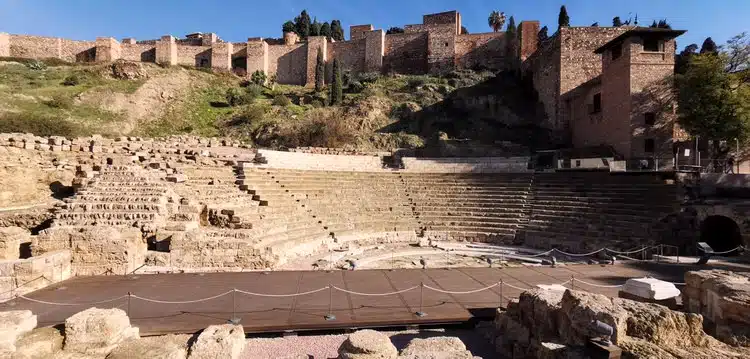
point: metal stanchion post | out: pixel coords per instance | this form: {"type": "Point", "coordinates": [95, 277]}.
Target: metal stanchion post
{"type": "Point", "coordinates": [234, 319]}
{"type": "Point", "coordinates": [678, 254]}
{"type": "Point", "coordinates": [330, 315]}
{"type": "Point", "coordinates": [129, 294]}
{"type": "Point", "coordinates": [573, 282]}
{"type": "Point", "coordinates": [421, 313]}
{"type": "Point", "coordinates": [502, 299]}
{"type": "Point", "coordinates": [393, 263]}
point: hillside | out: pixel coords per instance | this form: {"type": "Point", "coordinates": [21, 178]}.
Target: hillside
{"type": "Point", "coordinates": [378, 112]}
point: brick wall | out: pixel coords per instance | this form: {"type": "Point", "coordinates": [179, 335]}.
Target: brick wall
{"type": "Point", "coordinates": [358, 32]}
{"type": "Point", "coordinates": [529, 38]}
{"type": "Point", "coordinates": [138, 52]}
{"type": "Point", "coordinates": [579, 63]}
{"type": "Point", "coordinates": [374, 50]}
{"type": "Point", "coordinates": [587, 128]}
{"type": "Point", "coordinates": [487, 49]}
{"type": "Point", "coordinates": [192, 55]}
{"type": "Point", "coordinates": [616, 100]}
{"type": "Point", "coordinates": [351, 54]}
{"type": "Point", "coordinates": [288, 62]}
{"type": "Point", "coordinates": [452, 18]}
{"type": "Point", "coordinates": [405, 53]}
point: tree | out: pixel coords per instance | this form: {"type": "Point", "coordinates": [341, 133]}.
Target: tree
{"type": "Point", "coordinates": [511, 30]}
{"type": "Point", "coordinates": [337, 32]}
{"type": "Point", "coordinates": [616, 21]}
{"type": "Point", "coordinates": [496, 20]}
{"type": "Point", "coordinates": [683, 58]}
{"type": "Point", "coordinates": [710, 104]}
{"type": "Point", "coordinates": [464, 30]}
{"type": "Point", "coordinates": [563, 19]}
{"type": "Point", "coordinates": [654, 24]}
{"type": "Point", "coordinates": [662, 24]}
{"type": "Point", "coordinates": [542, 35]}
{"type": "Point", "coordinates": [738, 53]}
{"type": "Point", "coordinates": [325, 29]}
{"type": "Point", "coordinates": [315, 28]}
{"type": "Point", "coordinates": [337, 88]}
{"type": "Point", "coordinates": [709, 47]}
{"type": "Point", "coordinates": [302, 23]}
{"type": "Point", "coordinates": [288, 27]}
{"type": "Point", "coordinates": [258, 77]}
{"type": "Point", "coordinates": [596, 24]}
{"type": "Point", "coordinates": [394, 30]}
{"type": "Point", "coordinates": [320, 71]}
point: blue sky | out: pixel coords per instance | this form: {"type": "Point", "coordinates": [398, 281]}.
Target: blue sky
{"type": "Point", "coordinates": [236, 20]}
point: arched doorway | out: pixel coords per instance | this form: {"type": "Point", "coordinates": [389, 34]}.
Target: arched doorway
{"type": "Point", "coordinates": [721, 233]}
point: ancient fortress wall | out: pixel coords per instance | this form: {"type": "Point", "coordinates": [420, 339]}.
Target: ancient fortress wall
{"type": "Point", "coordinates": [435, 46]}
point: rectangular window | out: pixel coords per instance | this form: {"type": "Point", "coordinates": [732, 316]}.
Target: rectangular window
{"type": "Point", "coordinates": [578, 163]}
{"type": "Point", "coordinates": [649, 118]}
{"type": "Point", "coordinates": [652, 45]}
{"type": "Point", "coordinates": [649, 145]}
{"type": "Point", "coordinates": [616, 52]}
{"type": "Point", "coordinates": [597, 105]}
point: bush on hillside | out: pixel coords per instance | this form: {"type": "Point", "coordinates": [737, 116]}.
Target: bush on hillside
{"type": "Point", "coordinates": [61, 102]}
{"type": "Point", "coordinates": [355, 87]}
{"type": "Point", "coordinates": [71, 80]}
{"type": "Point", "coordinates": [259, 78]}
{"type": "Point", "coordinates": [237, 96]}
{"type": "Point", "coordinates": [281, 100]}
{"type": "Point", "coordinates": [368, 77]}
{"type": "Point", "coordinates": [40, 125]}
{"type": "Point", "coordinates": [36, 65]}
{"type": "Point", "coordinates": [248, 115]}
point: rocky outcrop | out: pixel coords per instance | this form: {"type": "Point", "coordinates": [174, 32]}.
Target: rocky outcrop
{"type": "Point", "coordinates": [40, 343]}
{"type": "Point", "coordinates": [97, 331]}
{"type": "Point", "coordinates": [10, 241]}
{"type": "Point", "coordinates": [367, 344]}
{"type": "Point", "coordinates": [436, 348]}
{"type": "Point", "coordinates": [554, 324]}
{"type": "Point", "coordinates": [723, 298]}
{"type": "Point", "coordinates": [14, 324]}
{"type": "Point", "coordinates": [219, 342]}
{"type": "Point", "coordinates": [163, 347]}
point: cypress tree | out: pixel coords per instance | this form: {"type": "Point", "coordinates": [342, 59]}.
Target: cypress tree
{"type": "Point", "coordinates": [320, 71]}
{"type": "Point", "coordinates": [542, 35]}
{"type": "Point", "coordinates": [616, 21]}
{"type": "Point", "coordinates": [709, 47]}
{"type": "Point", "coordinates": [511, 30]}
{"type": "Point", "coordinates": [302, 22]}
{"type": "Point", "coordinates": [563, 19]}
{"type": "Point", "coordinates": [315, 28]}
{"type": "Point", "coordinates": [337, 32]}
{"type": "Point", "coordinates": [325, 29]}
{"type": "Point", "coordinates": [337, 89]}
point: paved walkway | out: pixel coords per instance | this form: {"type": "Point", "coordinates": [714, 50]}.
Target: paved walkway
{"type": "Point", "coordinates": [159, 313]}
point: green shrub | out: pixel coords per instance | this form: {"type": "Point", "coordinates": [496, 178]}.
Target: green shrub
{"type": "Point", "coordinates": [71, 80]}
{"type": "Point", "coordinates": [36, 65]}
{"type": "Point", "coordinates": [61, 102]}
{"type": "Point", "coordinates": [317, 104]}
{"type": "Point", "coordinates": [281, 100]}
{"type": "Point", "coordinates": [40, 125]}
{"type": "Point", "coordinates": [368, 77]}
{"type": "Point", "coordinates": [258, 77]}
{"type": "Point", "coordinates": [254, 90]}
{"type": "Point", "coordinates": [355, 87]}
{"type": "Point", "coordinates": [415, 82]}
{"type": "Point", "coordinates": [237, 97]}
{"type": "Point", "coordinates": [248, 115]}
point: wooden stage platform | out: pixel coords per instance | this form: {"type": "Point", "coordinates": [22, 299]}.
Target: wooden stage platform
{"type": "Point", "coordinates": [290, 312]}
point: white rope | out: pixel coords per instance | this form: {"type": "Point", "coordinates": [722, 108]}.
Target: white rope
{"type": "Point", "coordinates": [579, 255]}
{"type": "Point", "coordinates": [71, 304]}
{"type": "Point", "coordinates": [514, 287]}
{"type": "Point", "coordinates": [724, 252]}
{"type": "Point", "coordinates": [599, 285]}
{"type": "Point", "coordinates": [283, 295]}
{"type": "Point", "coordinates": [181, 302]}
{"type": "Point", "coordinates": [627, 252]}
{"type": "Point", "coordinates": [467, 292]}
{"type": "Point", "coordinates": [540, 254]}
{"type": "Point", "coordinates": [375, 294]}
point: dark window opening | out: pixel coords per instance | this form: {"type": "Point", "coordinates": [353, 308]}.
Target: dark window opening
{"type": "Point", "coordinates": [652, 45]}
{"type": "Point", "coordinates": [446, 44]}
{"type": "Point", "coordinates": [650, 118]}
{"type": "Point", "coordinates": [616, 51]}
{"type": "Point", "coordinates": [649, 145]}
{"type": "Point", "coordinates": [597, 105]}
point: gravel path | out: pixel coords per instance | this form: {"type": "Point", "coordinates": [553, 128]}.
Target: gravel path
{"type": "Point", "coordinates": [326, 346]}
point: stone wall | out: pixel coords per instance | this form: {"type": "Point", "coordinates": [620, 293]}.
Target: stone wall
{"type": "Point", "coordinates": [294, 160]}
{"type": "Point", "coordinates": [288, 62]}
{"type": "Point", "coordinates": [191, 55]}
{"type": "Point", "coordinates": [358, 32]}
{"type": "Point", "coordinates": [138, 52]}
{"type": "Point", "coordinates": [21, 276]}
{"type": "Point", "coordinates": [466, 165]}
{"type": "Point", "coordinates": [351, 54]}
{"type": "Point", "coordinates": [34, 46]}
{"type": "Point", "coordinates": [404, 53]}
{"type": "Point", "coordinates": [544, 66]}
{"type": "Point", "coordinates": [79, 51]}
{"type": "Point", "coordinates": [485, 50]}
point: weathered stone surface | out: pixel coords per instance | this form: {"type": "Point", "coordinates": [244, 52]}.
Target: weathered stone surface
{"type": "Point", "coordinates": [97, 331]}
{"type": "Point", "coordinates": [40, 343]}
{"type": "Point", "coordinates": [10, 241]}
{"type": "Point", "coordinates": [436, 348]}
{"type": "Point", "coordinates": [162, 347]}
{"type": "Point", "coordinates": [641, 329]}
{"type": "Point", "coordinates": [14, 324]}
{"type": "Point", "coordinates": [126, 70]}
{"type": "Point", "coordinates": [367, 344]}
{"type": "Point", "coordinates": [218, 342]}
{"type": "Point", "coordinates": [723, 298]}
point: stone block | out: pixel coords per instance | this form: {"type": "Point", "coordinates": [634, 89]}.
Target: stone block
{"type": "Point", "coordinates": [367, 344]}
{"type": "Point", "coordinates": [161, 347]}
{"type": "Point", "coordinates": [10, 241]}
{"type": "Point", "coordinates": [650, 288]}
{"type": "Point", "coordinates": [13, 325]}
{"type": "Point", "coordinates": [4, 44]}
{"type": "Point", "coordinates": [225, 341]}
{"type": "Point", "coordinates": [39, 343]}
{"type": "Point", "coordinates": [97, 331]}
{"type": "Point", "coordinates": [436, 347]}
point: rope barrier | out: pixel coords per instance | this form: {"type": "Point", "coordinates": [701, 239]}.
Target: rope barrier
{"type": "Point", "coordinates": [514, 287]}
{"type": "Point", "coordinates": [599, 285]}
{"type": "Point", "coordinates": [181, 302]}
{"type": "Point", "coordinates": [724, 252]}
{"type": "Point", "coordinates": [466, 292]}
{"type": "Point", "coordinates": [375, 294]}
{"type": "Point", "coordinates": [628, 252]}
{"type": "Point", "coordinates": [579, 255]}
{"type": "Point", "coordinates": [72, 304]}
{"type": "Point", "coordinates": [282, 295]}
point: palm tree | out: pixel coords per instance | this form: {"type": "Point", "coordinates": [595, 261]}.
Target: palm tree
{"type": "Point", "coordinates": [496, 20]}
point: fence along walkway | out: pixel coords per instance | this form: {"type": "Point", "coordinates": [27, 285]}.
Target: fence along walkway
{"type": "Point", "coordinates": [277, 301]}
